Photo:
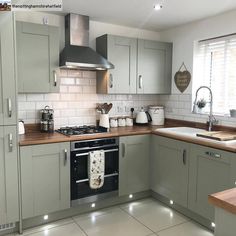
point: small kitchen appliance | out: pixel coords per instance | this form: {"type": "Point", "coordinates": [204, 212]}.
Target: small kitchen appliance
{"type": "Point", "coordinates": [157, 114]}
{"type": "Point", "coordinates": [143, 117]}
{"type": "Point", "coordinates": [21, 127]}
{"type": "Point", "coordinates": [47, 121]}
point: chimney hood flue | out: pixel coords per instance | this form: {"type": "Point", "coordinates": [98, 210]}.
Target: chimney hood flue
{"type": "Point", "coordinates": [77, 54]}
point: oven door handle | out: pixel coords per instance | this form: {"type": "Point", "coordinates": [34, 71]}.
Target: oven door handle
{"type": "Point", "coordinates": [105, 151]}
{"type": "Point", "coordinates": [105, 176]}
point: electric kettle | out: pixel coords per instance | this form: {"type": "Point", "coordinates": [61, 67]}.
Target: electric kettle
{"type": "Point", "coordinates": [143, 117]}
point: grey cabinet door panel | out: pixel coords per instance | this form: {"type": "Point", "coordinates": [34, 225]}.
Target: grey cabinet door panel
{"type": "Point", "coordinates": [122, 52]}
{"type": "Point", "coordinates": [37, 57]}
{"type": "Point", "coordinates": [134, 164]}
{"type": "Point", "coordinates": [7, 71]}
{"type": "Point", "coordinates": [154, 67]}
{"type": "Point", "coordinates": [9, 206]}
{"type": "Point", "coordinates": [169, 168]}
{"type": "Point", "coordinates": [45, 179]}
{"type": "Point", "coordinates": [208, 175]}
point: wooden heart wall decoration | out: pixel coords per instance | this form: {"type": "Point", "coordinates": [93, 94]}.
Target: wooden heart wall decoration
{"type": "Point", "coordinates": [182, 78]}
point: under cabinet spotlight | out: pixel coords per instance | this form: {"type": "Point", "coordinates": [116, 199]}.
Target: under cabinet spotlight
{"type": "Point", "coordinates": [93, 205]}
{"type": "Point", "coordinates": [213, 225]}
{"type": "Point", "coordinates": [45, 217]}
{"type": "Point", "coordinates": [171, 202]}
{"type": "Point", "coordinates": [131, 196]}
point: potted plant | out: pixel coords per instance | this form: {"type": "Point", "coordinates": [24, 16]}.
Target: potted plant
{"type": "Point", "coordinates": [201, 104]}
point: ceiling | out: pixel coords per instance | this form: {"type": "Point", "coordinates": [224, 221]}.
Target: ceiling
{"type": "Point", "coordinates": [140, 13]}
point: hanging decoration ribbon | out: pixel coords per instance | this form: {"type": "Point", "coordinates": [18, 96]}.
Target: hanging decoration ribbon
{"type": "Point", "coordinates": [182, 78]}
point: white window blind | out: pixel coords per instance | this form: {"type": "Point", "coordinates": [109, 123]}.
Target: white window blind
{"type": "Point", "coordinates": [216, 68]}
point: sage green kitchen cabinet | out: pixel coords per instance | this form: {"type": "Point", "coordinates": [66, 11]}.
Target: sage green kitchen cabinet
{"type": "Point", "coordinates": [9, 205]}
{"type": "Point", "coordinates": [45, 176]}
{"type": "Point", "coordinates": [169, 168]}
{"type": "Point", "coordinates": [154, 65]}
{"type": "Point", "coordinates": [37, 57]}
{"type": "Point", "coordinates": [7, 70]}
{"type": "Point", "coordinates": [141, 66]}
{"type": "Point", "coordinates": [122, 52]}
{"type": "Point", "coordinates": [134, 164]}
{"type": "Point", "coordinates": [210, 171]}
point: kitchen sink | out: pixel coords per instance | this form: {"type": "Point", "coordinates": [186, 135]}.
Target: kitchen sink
{"type": "Point", "coordinates": [185, 131]}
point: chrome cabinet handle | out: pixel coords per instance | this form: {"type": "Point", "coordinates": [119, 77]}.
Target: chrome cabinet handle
{"type": "Point", "coordinates": [212, 154]}
{"type": "Point", "coordinates": [111, 81]}
{"type": "Point", "coordinates": [123, 150]}
{"type": "Point", "coordinates": [9, 105]}
{"type": "Point", "coordinates": [55, 78]}
{"type": "Point", "coordinates": [65, 156]}
{"type": "Point", "coordinates": [10, 142]}
{"type": "Point", "coordinates": [140, 78]}
{"type": "Point", "coordinates": [184, 157]}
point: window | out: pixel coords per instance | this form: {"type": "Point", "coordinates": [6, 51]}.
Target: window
{"type": "Point", "coordinates": [215, 67]}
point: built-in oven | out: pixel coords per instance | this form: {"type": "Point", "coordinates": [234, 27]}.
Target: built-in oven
{"type": "Point", "coordinates": [80, 189]}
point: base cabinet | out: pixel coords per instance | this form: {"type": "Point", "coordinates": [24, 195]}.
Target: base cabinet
{"type": "Point", "coordinates": [169, 168]}
{"type": "Point", "coordinates": [45, 171]}
{"type": "Point", "coordinates": [210, 171]}
{"type": "Point", "coordinates": [9, 206]}
{"type": "Point", "coordinates": [134, 164]}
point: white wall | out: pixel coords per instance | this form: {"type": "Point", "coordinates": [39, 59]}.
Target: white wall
{"type": "Point", "coordinates": [96, 28]}
{"type": "Point", "coordinates": [183, 39]}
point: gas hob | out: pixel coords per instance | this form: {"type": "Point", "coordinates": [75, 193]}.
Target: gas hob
{"type": "Point", "coordinates": [81, 130]}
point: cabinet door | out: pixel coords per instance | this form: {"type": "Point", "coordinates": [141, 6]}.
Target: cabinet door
{"type": "Point", "coordinates": [45, 178]}
{"type": "Point", "coordinates": [7, 71]}
{"type": "Point", "coordinates": [9, 207]}
{"type": "Point", "coordinates": [122, 53]}
{"type": "Point", "coordinates": [210, 172]}
{"type": "Point", "coordinates": [37, 57]}
{"type": "Point", "coordinates": [169, 168]}
{"type": "Point", "coordinates": [154, 67]}
{"type": "Point", "coordinates": [134, 164]}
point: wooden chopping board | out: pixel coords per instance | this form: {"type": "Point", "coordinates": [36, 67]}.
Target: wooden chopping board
{"type": "Point", "coordinates": [219, 135]}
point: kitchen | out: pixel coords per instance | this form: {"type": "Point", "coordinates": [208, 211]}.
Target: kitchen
{"type": "Point", "coordinates": [157, 175]}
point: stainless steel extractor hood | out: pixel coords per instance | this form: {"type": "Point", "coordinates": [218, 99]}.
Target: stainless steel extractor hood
{"type": "Point", "coordinates": [77, 54]}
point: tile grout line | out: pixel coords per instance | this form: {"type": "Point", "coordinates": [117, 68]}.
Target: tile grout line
{"type": "Point", "coordinates": [79, 226]}
{"type": "Point", "coordinates": [137, 220]}
{"type": "Point", "coordinates": [42, 230]}
{"type": "Point", "coordinates": [170, 227]}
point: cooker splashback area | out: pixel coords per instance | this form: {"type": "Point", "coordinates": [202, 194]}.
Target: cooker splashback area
{"type": "Point", "coordinates": [76, 102]}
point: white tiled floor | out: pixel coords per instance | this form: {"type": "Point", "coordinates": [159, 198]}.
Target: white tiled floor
{"type": "Point", "coordinates": [146, 217]}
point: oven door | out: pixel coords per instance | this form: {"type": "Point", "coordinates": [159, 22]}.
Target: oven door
{"type": "Point", "coordinates": [79, 173]}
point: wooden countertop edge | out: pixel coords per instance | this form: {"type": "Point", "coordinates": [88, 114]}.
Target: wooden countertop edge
{"type": "Point", "coordinates": [38, 138]}
{"type": "Point", "coordinates": [225, 200]}
{"type": "Point", "coordinates": [197, 140]}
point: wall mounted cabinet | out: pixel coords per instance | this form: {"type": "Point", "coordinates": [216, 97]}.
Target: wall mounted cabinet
{"type": "Point", "coordinates": [9, 205]}
{"type": "Point", "coordinates": [169, 169]}
{"type": "Point", "coordinates": [134, 164]}
{"type": "Point", "coordinates": [8, 112]}
{"type": "Point", "coordinates": [37, 57]}
{"type": "Point", "coordinates": [141, 66]}
{"type": "Point", "coordinates": [154, 63]}
{"type": "Point", "coordinates": [122, 52]}
{"type": "Point", "coordinates": [45, 178]}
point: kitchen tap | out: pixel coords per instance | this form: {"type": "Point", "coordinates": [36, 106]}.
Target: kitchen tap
{"type": "Point", "coordinates": [212, 119]}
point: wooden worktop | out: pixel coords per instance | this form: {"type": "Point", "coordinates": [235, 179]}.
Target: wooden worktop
{"type": "Point", "coordinates": [33, 136]}
{"type": "Point", "coordinates": [225, 200]}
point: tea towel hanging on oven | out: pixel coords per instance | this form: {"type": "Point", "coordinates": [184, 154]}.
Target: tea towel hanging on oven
{"type": "Point", "coordinates": [96, 169]}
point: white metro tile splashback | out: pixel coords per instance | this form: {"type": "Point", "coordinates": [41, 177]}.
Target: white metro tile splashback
{"type": "Point", "coordinates": [76, 102]}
